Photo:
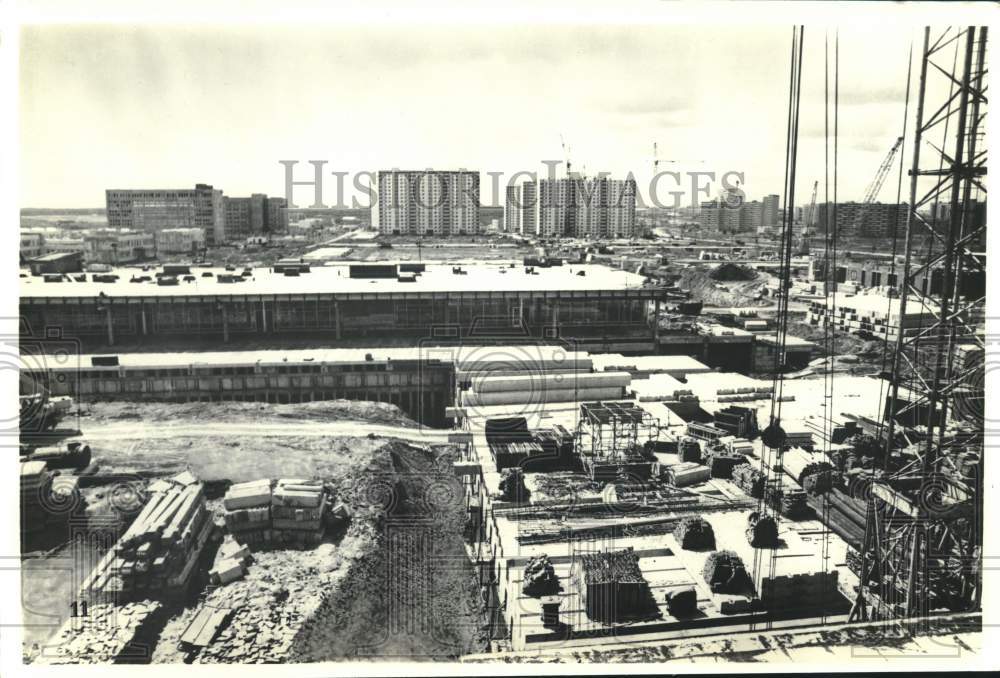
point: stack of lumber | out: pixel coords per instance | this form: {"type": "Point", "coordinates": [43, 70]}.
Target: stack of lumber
{"type": "Point", "coordinates": [790, 503]}
{"type": "Point", "coordinates": [687, 473]}
{"type": "Point", "coordinates": [749, 479]}
{"type": "Point", "coordinates": [812, 470]}
{"type": "Point", "coordinates": [612, 586]}
{"type": "Point", "coordinates": [815, 590]}
{"type": "Point", "coordinates": [156, 556]}
{"type": "Point", "coordinates": [722, 462]}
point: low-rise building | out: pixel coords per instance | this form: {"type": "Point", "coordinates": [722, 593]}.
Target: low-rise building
{"type": "Point", "coordinates": [180, 240]}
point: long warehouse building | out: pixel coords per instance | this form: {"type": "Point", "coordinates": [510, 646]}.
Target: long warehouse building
{"type": "Point", "coordinates": [599, 307]}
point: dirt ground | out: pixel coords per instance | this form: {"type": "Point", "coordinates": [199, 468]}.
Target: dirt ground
{"type": "Point", "coordinates": [400, 567]}
{"type": "Point", "coordinates": [698, 281]}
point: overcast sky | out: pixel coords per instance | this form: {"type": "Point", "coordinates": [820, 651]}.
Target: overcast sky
{"type": "Point", "coordinates": [132, 106]}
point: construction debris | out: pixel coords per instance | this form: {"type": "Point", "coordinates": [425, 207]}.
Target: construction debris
{"type": "Point", "coordinates": [99, 637]}
{"type": "Point", "coordinates": [288, 511]}
{"type": "Point", "coordinates": [540, 577]}
{"type": "Point", "coordinates": [512, 487]}
{"type": "Point", "coordinates": [695, 534]}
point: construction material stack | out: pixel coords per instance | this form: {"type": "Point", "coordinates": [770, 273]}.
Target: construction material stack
{"type": "Point", "coordinates": [157, 555]}
{"type": "Point", "coordinates": [613, 586]}
{"type": "Point", "coordinates": [687, 473]}
{"type": "Point", "coordinates": [297, 509]}
{"type": "Point", "coordinates": [749, 479]}
{"type": "Point", "coordinates": [289, 511]}
{"type": "Point", "coordinates": [248, 511]}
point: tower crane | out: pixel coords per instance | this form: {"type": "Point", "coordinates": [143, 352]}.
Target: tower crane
{"type": "Point", "coordinates": [809, 222]}
{"type": "Point", "coordinates": [566, 150]}
{"type": "Point", "coordinates": [875, 186]}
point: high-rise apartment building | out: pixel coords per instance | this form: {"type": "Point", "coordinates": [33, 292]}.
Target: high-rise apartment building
{"type": "Point", "coordinates": [427, 202]}
{"type": "Point", "coordinates": [513, 209]}
{"type": "Point", "coordinates": [751, 216]}
{"type": "Point", "coordinates": [256, 215]}
{"type": "Point", "coordinates": [877, 220]}
{"type": "Point", "coordinates": [770, 211]}
{"type": "Point", "coordinates": [587, 208]}
{"type": "Point", "coordinates": [153, 210]}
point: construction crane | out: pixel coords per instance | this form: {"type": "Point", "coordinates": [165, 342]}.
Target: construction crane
{"type": "Point", "coordinates": [808, 223]}
{"type": "Point", "coordinates": [565, 149]}
{"type": "Point", "coordinates": [875, 187]}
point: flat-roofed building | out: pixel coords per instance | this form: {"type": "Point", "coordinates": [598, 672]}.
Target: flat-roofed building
{"type": "Point", "coordinates": [593, 305]}
{"type": "Point", "coordinates": [590, 208]}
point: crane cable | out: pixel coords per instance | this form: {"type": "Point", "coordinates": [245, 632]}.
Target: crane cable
{"type": "Point", "coordinates": [791, 154]}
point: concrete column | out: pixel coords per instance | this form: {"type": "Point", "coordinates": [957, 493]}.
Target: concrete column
{"type": "Point", "coordinates": [336, 317]}
{"type": "Point", "coordinates": [263, 316]}
{"type": "Point", "coordinates": [656, 323]}
{"type": "Point", "coordinates": [225, 325]}
{"type": "Point", "coordinates": [111, 326]}
{"type": "Point", "coordinates": [520, 311]}
{"type": "Point", "coordinates": [555, 314]}
{"type": "Point", "coordinates": [142, 317]}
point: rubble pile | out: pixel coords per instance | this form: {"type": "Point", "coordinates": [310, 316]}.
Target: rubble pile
{"type": "Point", "coordinates": [682, 602]}
{"type": "Point", "coordinates": [512, 487]}
{"type": "Point", "coordinates": [276, 599]}
{"type": "Point", "coordinates": [98, 637]}
{"type": "Point", "coordinates": [157, 555]}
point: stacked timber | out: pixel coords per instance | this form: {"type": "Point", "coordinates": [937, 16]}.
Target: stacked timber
{"type": "Point", "coordinates": [156, 556]}
{"type": "Point", "coordinates": [790, 503]}
{"type": "Point", "coordinates": [762, 531]}
{"type": "Point", "coordinates": [749, 479]}
{"type": "Point", "coordinates": [722, 462]}
{"type": "Point", "coordinates": [811, 470]}
{"type": "Point", "coordinates": [612, 586]}
{"type": "Point", "coordinates": [811, 591]}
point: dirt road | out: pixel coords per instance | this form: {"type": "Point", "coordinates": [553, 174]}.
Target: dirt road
{"type": "Point", "coordinates": [133, 430]}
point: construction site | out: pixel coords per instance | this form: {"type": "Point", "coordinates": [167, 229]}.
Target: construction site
{"type": "Point", "coordinates": [530, 459]}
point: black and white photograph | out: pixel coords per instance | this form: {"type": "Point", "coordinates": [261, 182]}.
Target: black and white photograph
{"type": "Point", "coordinates": [469, 338]}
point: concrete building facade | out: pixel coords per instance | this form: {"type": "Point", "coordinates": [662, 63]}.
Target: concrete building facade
{"type": "Point", "coordinates": [180, 240]}
{"type": "Point", "coordinates": [513, 209]}
{"type": "Point", "coordinates": [254, 216]}
{"type": "Point", "coordinates": [427, 202]}
{"type": "Point", "coordinates": [587, 208]}
{"type": "Point", "coordinates": [153, 210]}
{"type": "Point", "coordinates": [877, 220]}
{"type": "Point", "coordinates": [771, 211]}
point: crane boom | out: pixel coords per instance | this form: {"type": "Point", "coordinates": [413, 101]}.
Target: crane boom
{"type": "Point", "coordinates": [876, 186]}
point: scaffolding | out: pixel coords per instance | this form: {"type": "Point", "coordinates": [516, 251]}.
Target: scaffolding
{"type": "Point", "coordinates": [922, 547]}
{"type": "Point", "coordinates": [614, 433]}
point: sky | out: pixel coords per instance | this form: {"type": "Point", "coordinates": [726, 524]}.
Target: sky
{"type": "Point", "coordinates": [128, 105]}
